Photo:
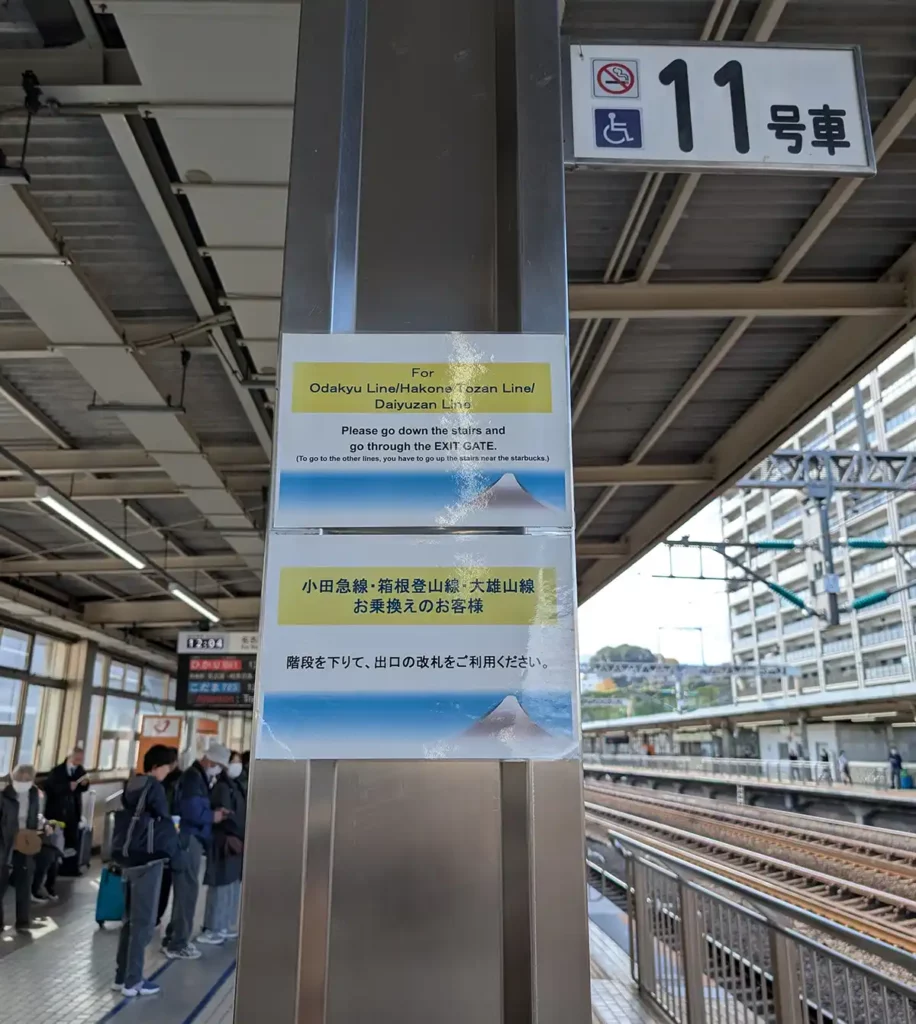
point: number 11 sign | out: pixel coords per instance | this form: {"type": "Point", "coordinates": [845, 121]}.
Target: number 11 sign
{"type": "Point", "coordinates": [719, 107]}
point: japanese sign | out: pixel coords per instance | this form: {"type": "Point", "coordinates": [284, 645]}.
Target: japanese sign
{"type": "Point", "coordinates": [720, 106]}
{"type": "Point", "coordinates": [418, 647]}
{"type": "Point", "coordinates": [216, 671]}
{"type": "Point", "coordinates": [423, 430]}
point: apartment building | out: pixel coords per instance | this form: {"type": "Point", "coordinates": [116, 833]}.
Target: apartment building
{"type": "Point", "coordinates": [870, 648]}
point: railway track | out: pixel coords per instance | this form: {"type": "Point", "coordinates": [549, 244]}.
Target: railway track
{"type": "Point", "coordinates": [883, 915]}
{"type": "Point", "coordinates": [851, 856]}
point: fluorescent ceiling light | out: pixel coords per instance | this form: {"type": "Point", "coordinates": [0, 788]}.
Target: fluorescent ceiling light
{"type": "Point", "coordinates": [769, 721]}
{"type": "Point", "coordinates": [81, 522]}
{"type": "Point", "coordinates": [193, 602]}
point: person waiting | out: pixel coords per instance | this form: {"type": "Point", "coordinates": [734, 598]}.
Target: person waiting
{"type": "Point", "coordinates": [20, 841]}
{"type": "Point", "coordinates": [843, 768]}
{"type": "Point", "coordinates": [64, 789]}
{"type": "Point", "coordinates": [223, 876]}
{"type": "Point", "coordinates": [170, 785]}
{"type": "Point", "coordinates": [143, 841]}
{"type": "Point", "coordinates": [192, 805]}
{"type": "Point", "coordinates": [895, 763]}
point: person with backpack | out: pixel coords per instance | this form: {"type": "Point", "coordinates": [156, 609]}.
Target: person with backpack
{"type": "Point", "coordinates": [143, 841]}
{"type": "Point", "coordinates": [170, 785]}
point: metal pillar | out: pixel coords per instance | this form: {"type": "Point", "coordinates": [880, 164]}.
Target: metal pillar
{"type": "Point", "coordinates": [426, 194]}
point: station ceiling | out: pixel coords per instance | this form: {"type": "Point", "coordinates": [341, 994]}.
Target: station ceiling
{"type": "Point", "coordinates": [155, 220]}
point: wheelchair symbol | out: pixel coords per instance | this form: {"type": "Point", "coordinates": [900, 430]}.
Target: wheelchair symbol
{"type": "Point", "coordinates": [618, 129]}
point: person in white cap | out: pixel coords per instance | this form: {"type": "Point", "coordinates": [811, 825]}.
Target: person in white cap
{"type": "Point", "coordinates": [192, 805]}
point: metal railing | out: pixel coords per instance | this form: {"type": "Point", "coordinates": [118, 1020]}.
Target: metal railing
{"type": "Point", "coordinates": [707, 950]}
{"type": "Point", "coordinates": [838, 646]}
{"type": "Point", "coordinates": [802, 654]}
{"type": "Point", "coordinates": [890, 671]}
{"type": "Point", "coordinates": [746, 769]}
{"type": "Point", "coordinates": [900, 419]}
{"type": "Point", "coordinates": [882, 636]}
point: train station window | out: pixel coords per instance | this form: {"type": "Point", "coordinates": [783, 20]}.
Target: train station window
{"type": "Point", "coordinates": [14, 649]}
{"type": "Point", "coordinates": [155, 684]}
{"type": "Point", "coordinates": [41, 727]}
{"type": "Point", "coordinates": [49, 658]}
{"type": "Point", "coordinates": [10, 694]}
{"type": "Point", "coordinates": [122, 694]}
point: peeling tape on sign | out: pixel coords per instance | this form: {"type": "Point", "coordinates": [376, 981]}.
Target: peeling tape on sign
{"type": "Point", "coordinates": [476, 661]}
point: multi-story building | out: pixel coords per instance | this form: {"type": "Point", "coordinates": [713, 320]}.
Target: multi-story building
{"type": "Point", "coordinates": [873, 647]}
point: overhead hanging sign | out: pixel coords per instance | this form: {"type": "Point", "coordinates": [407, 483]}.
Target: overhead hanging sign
{"type": "Point", "coordinates": [418, 647]}
{"type": "Point", "coordinates": [716, 106]}
{"type": "Point", "coordinates": [216, 671]}
{"type": "Point", "coordinates": [418, 430]}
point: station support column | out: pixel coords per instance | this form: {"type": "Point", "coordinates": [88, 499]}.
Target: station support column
{"type": "Point", "coordinates": [426, 196]}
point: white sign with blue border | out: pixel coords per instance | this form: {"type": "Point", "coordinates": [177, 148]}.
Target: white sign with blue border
{"type": "Point", "coordinates": [719, 106]}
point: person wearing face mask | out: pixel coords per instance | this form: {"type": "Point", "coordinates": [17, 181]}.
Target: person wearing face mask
{"type": "Point", "coordinates": [19, 814]}
{"type": "Point", "coordinates": [64, 788]}
{"type": "Point", "coordinates": [223, 876]}
{"type": "Point", "coordinates": [192, 805]}
{"type": "Point", "coordinates": [143, 842]}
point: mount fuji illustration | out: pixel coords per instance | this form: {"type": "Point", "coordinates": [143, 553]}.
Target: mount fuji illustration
{"type": "Point", "coordinates": [507, 493]}
{"type": "Point", "coordinates": [508, 722]}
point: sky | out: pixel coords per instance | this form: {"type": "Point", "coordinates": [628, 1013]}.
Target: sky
{"type": "Point", "coordinates": [667, 616]}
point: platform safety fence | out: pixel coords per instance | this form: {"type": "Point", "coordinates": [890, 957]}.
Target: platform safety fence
{"type": "Point", "coordinates": [741, 769]}
{"type": "Point", "coordinates": [701, 955]}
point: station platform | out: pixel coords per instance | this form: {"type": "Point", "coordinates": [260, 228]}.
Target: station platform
{"type": "Point", "coordinates": [863, 804]}
{"type": "Point", "coordinates": [65, 969]}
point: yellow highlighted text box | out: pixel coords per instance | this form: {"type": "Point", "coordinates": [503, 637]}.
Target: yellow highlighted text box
{"type": "Point", "coordinates": [421, 387]}
{"type": "Point", "coordinates": [440, 596]}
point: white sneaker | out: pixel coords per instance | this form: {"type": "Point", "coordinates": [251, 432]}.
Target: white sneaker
{"type": "Point", "coordinates": [208, 938]}
{"type": "Point", "coordinates": [228, 933]}
{"type": "Point", "coordinates": [145, 988]}
{"type": "Point", "coordinates": [117, 986]}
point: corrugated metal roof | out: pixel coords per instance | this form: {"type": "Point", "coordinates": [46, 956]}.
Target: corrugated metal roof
{"type": "Point", "coordinates": [63, 395]}
{"type": "Point", "coordinates": [83, 188]}
{"type": "Point", "coordinates": [735, 228]}
{"type": "Point", "coordinates": [213, 411]}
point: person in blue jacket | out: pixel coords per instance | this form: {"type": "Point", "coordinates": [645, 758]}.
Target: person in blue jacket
{"type": "Point", "coordinates": [143, 841]}
{"type": "Point", "coordinates": [192, 805]}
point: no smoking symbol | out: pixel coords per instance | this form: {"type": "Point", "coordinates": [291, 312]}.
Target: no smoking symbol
{"type": "Point", "coordinates": [616, 78]}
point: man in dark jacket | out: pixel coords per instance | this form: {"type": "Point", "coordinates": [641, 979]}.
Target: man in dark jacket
{"type": "Point", "coordinates": [18, 811]}
{"type": "Point", "coordinates": [192, 805]}
{"type": "Point", "coordinates": [64, 788]}
{"type": "Point", "coordinates": [143, 841]}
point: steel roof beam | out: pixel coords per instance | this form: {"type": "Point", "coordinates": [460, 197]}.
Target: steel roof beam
{"type": "Point", "coordinates": [780, 299]}
{"type": "Point", "coordinates": [766, 16]}
{"type": "Point", "coordinates": [59, 300]}
{"type": "Point", "coordinates": [607, 550]}
{"type": "Point", "coordinates": [150, 187]}
{"type": "Point", "coordinates": [41, 611]}
{"type": "Point", "coordinates": [851, 348]}
{"type": "Point", "coordinates": [35, 415]}
{"type": "Point", "coordinates": [169, 612]}
{"type": "Point", "coordinates": [51, 462]}
{"type": "Point", "coordinates": [140, 488]}
{"type": "Point", "coordinates": [893, 124]}
{"type": "Point", "coordinates": [640, 475]}
{"type": "Point", "coordinates": [113, 566]}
